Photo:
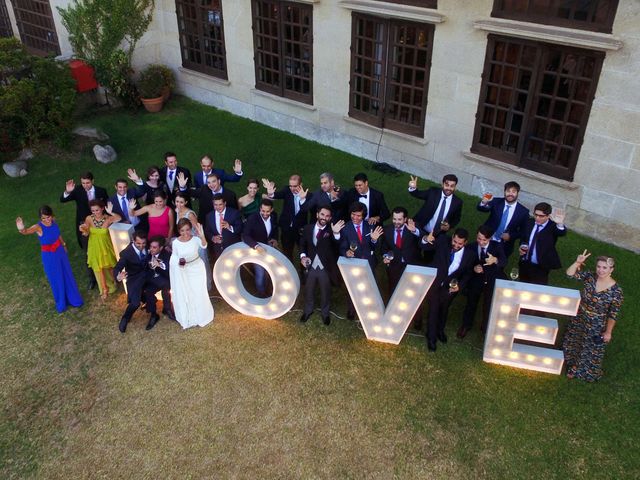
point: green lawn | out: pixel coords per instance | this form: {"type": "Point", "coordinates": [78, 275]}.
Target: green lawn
{"type": "Point", "coordinates": [245, 397]}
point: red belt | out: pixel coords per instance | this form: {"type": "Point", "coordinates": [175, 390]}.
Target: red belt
{"type": "Point", "coordinates": [52, 247]}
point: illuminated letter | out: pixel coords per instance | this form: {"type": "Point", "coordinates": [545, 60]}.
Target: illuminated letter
{"type": "Point", "coordinates": [120, 234]}
{"type": "Point", "coordinates": [286, 284]}
{"type": "Point", "coordinates": [379, 324]}
{"type": "Point", "coordinates": [506, 324]}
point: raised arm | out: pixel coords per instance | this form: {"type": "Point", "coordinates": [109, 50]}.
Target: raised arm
{"type": "Point", "coordinates": [27, 231]}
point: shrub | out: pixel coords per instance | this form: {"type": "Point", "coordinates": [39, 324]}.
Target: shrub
{"type": "Point", "coordinates": [151, 83]}
{"type": "Point", "coordinates": [37, 98]}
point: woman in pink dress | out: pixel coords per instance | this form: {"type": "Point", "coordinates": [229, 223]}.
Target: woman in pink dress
{"type": "Point", "coordinates": [161, 217]}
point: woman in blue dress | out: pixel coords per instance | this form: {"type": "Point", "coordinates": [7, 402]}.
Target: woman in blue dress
{"type": "Point", "coordinates": [54, 259]}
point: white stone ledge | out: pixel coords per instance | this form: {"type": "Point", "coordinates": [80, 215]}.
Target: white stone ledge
{"type": "Point", "coordinates": [539, 177]}
{"type": "Point", "coordinates": [551, 34]}
{"type": "Point", "coordinates": [386, 131]}
{"type": "Point", "coordinates": [204, 76]}
{"type": "Point", "coordinates": [407, 12]}
{"type": "Point", "coordinates": [286, 101]}
{"type": "Point", "coordinates": [306, 1]}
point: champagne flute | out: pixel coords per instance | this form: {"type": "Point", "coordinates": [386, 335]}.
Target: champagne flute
{"type": "Point", "coordinates": [515, 274]}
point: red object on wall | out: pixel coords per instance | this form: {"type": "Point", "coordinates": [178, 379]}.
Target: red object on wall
{"type": "Point", "coordinates": [84, 76]}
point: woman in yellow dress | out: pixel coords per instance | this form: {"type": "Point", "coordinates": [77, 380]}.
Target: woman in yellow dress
{"type": "Point", "coordinates": [100, 255]}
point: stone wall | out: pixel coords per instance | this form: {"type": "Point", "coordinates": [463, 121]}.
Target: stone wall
{"type": "Point", "coordinates": [601, 201]}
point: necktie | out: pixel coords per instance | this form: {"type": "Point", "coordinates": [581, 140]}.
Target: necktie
{"type": "Point", "coordinates": [440, 216]}
{"type": "Point", "coordinates": [503, 222]}
{"type": "Point", "coordinates": [125, 209]}
{"type": "Point", "coordinates": [483, 254]}
{"type": "Point", "coordinates": [359, 233]}
{"type": "Point", "coordinates": [533, 243]}
{"type": "Point", "coordinates": [399, 238]}
{"type": "Point", "coordinates": [451, 255]}
{"type": "Point", "coordinates": [204, 178]}
{"type": "Point", "coordinates": [362, 196]}
{"type": "Point", "coordinates": [317, 237]}
{"type": "Point", "coordinates": [221, 219]}
{"type": "Point", "coordinates": [296, 204]}
{"type": "Point", "coordinates": [171, 175]}
{"type": "Point", "coordinates": [89, 195]}
{"type": "Point", "coordinates": [142, 256]}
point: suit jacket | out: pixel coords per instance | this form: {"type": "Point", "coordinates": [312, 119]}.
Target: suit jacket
{"type": "Point", "coordinates": [516, 225]}
{"type": "Point", "coordinates": [232, 216]}
{"type": "Point", "coordinates": [431, 199]}
{"type": "Point", "coordinates": [318, 199]}
{"type": "Point", "coordinates": [163, 279]}
{"type": "Point", "coordinates": [366, 248]}
{"type": "Point", "coordinates": [288, 217]}
{"type": "Point", "coordinates": [205, 201]}
{"type": "Point", "coordinates": [491, 272]}
{"type": "Point", "coordinates": [377, 205]}
{"type": "Point", "coordinates": [409, 253]}
{"type": "Point", "coordinates": [545, 247]}
{"type": "Point", "coordinates": [200, 182]}
{"type": "Point", "coordinates": [254, 230]}
{"type": "Point", "coordinates": [79, 195]}
{"type": "Point", "coordinates": [137, 271]}
{"type": "Point", "coordinates": [442, 247]}
{"type": "Point", "coordinates": [117, 208]}
{"type": "Point", "coordinates": [176, 188]}
{"type": "Point", "coordinates": [326, 250]}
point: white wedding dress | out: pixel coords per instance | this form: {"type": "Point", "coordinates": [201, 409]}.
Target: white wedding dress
{"type": "Point", "coordinates": [191, 301]}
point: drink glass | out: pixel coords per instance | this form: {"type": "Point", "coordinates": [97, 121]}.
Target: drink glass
{"type": "Point", "coordinates": [353, 246]}
{"type": "Point", "coordinates": [525, 249]}
{"type": "Point", "coordinates": [515, 274]}
{"type": "Point", "coordinates": [453, 283]}
{"type": "Point", "coordinates": [487, 196]}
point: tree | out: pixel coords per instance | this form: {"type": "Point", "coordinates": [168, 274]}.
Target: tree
{"type": "Point", "coordinates": [104, 33]}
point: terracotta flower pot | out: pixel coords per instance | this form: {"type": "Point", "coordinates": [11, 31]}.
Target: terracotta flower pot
{"type": "Point", "coordinates": [153, 105]}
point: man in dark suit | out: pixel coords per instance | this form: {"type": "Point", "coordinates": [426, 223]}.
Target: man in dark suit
{"type": "Point", "coordinates": [318, 255]}
{"type": "Point", "coordinates": [134, 267]}
{"type": "Point", "coordinates": [223, 226]}
{"type": "Point", "coordinates": [538, 254]}
{"type": "Point", "coordinates": [328, 195]}
{"type": "Point", "coordinates": [158, 281]}
{"type": "Point", "coordinates": [120, 201]}
{"type": "Point", "coordinates": [207, 166]}
{"type": "Point", "coordinates": [292, 217]}
{"type": "Point", "coordinates": [454, 263]}
{"type": "Point", "coordinates": [441, 210]}
{"type": "Point", "coordinates": [261, 227]}
{"type": "Point", "coordinates": [82, 195]}
{"type": "Point", "coordinates": [400, 246]}
{"type": "Point", "coordinates": [488, 265]}
{"type": "Point", "coordinates": [377, 210]}
{"type": "Point", "coordinates": [206, 193]}
{"type": "Point", "coordinates": [358, 240]}
{"type": "Point", "coordinates": [169, 174]}
{"type": "Point", "coordinates": [507, 217]}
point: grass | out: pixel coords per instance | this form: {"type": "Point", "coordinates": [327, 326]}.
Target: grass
{"type": "Point", "coordinates": [275, 399]}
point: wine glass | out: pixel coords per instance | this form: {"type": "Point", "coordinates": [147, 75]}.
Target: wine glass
{"type": "Point", "coordinates": [388, 255]}
{"type": "Point", "coordinates": [514, 274]}
{"type": "Point", "coordinates": [524, 248]}
{"type": "Point", "coordinates": [453, 283]}
{"type": "Point", "coordinates": [153, 264]}
{"type": "Point", "coordinates": [487, 196]}
{"type": "Point", "coordinates": [353, 246]}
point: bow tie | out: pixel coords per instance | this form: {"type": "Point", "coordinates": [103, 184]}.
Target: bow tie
{"type": "Point", "coordinates": [362, 196]}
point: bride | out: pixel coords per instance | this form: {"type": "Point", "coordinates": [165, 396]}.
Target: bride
{"type": "Point", "coordinates": [188, 277]}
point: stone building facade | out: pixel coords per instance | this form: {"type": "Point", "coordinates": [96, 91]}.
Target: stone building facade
{"type": "Point", "coordinates": [491, 90]}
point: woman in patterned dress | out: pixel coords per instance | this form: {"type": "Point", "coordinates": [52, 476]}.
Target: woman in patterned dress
{"type": "Point", "coordinates": [590, 331]}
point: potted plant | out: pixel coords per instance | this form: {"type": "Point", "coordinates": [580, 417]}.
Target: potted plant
{"type": "Point", "coordinates": [150, 86]}
{"type": "Point", "coordinates": [169, 79]}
